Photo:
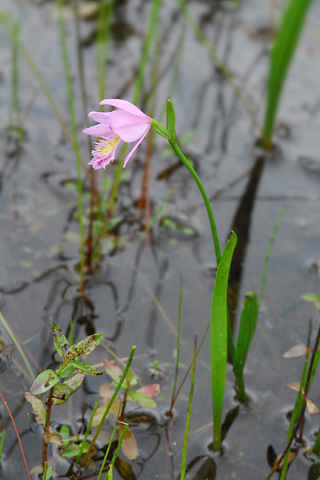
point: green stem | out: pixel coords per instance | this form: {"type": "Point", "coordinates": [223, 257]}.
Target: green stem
{"type": "Point", "coordinates": [196, 178]}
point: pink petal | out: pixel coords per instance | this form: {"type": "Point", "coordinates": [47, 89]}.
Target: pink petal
{"type": "Point", "coordinates": [129, 127]}
{"type": "Point", "coordinates": [101, 117]}
{"type": "Point", "coordinates": [124, 105]}
{"type": "Point", "coordinates": [100, 130]}
{"type": "Point", "coordinates": [135, 147]}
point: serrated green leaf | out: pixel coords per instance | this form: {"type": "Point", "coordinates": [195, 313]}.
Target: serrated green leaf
{"type": "Point", "coordinates": [142, 399]}
{"type": "Point", "coordinates": [44, 381]}
{"type": "Point", "coordinates": [38, 408]}
{"type": "Point", "coordinates": [59, 339]}
{"type": "Point", "coordinates": [85, 347]}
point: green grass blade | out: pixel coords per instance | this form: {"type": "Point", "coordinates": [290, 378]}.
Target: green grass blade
{"type": "Point", "coordinates": [266, 261]}
{"type": "Point", "coordinates": [115, 393]}
{"type": "Point", "coordinates": [281, 57]}
{"type": "Point", "coordinates": [107, 451]}
{"type": "Point", "coordinates": [186, 432]}
{"type": "Point", "coordinates": [74, 128]}
{"type": "Point", "coordinates": [83, 443]}
{"type": "Point", "coordinates": [219, 319]}
{"type": "Point", "coordinates": [248, 323]}
{"type": "Point", "coordinates": [2, 440]}
{"type": "Point", "coordinates": [17, 345]}
{"type": "Point", "coordinates": [104, 26]}
{"type": "Point", "coordinates": [178, 348]}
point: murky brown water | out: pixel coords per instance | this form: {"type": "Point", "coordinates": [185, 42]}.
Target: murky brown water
{"type": "Point", "coordinates": [39, 251]}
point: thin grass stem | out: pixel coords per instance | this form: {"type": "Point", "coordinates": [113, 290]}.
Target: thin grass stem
{"type": "Point", "coordinates": [2, 440]}
{"type": "Point", "coordinates": [85, 458]}
{"type": "Point", "coordinates": [266, 261]}
{"type": "Point", "coordinates": [83, 443]}
{"type": "Point", "coordinates": [186, 432]}
{"type": "Point", "coordinates": [178, 349]}
{"type": "Point", "coordinates": [18, 347]}
{"type": "Point", "coordinates": [74, 135]}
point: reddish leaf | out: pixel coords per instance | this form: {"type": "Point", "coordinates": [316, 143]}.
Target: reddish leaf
{"type": "Point", "coordinates": [150, 390]}
{"type": "Point", "coordinates": [129, 444]}
{"type": "Point", "coordinates": [113, 370]}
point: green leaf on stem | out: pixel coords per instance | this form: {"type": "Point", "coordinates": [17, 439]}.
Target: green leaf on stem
{"type": "Point", "coordinates": [248, 323]}
{"type": "Point", "coordinates": [60, 340]}
{"type": "Point", "coordinates": [39, 410]}
{"type": "Point", "coordinates": [219, 319]}
{"type": "Point", "coordinates": [86, 368]}
{"type": "Point", "coordinates": [44, 381]}
{"type": "Point", "coordinates": [142, 399]}
{"type": "Point", "coordinates": [85, 347]}
{"type": "Point", "coordinates": [66, 370]}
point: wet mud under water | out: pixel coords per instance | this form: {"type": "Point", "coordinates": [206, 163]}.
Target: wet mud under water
{"type": "Point", "coordinates": [132, 296]}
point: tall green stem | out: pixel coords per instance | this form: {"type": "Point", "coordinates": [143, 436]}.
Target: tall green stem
{"type": "Point", "coordinates": [206, 200]}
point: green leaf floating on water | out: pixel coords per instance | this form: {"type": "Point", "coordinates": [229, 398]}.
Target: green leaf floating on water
{"type": "Point", "coordinates": [85, 347]}
{"type": "Point", "coordinates": [44, 381]}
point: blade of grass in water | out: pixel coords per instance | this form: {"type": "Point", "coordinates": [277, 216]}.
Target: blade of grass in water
{"type": "Point", "coordinates": [133, 349]}
{"type": "Point", "coordinates": [283, 50]}
{"type": "Point", "coordinates": [2, 440]}
{"type": "Point", "coordinates": [103, 34]}
{"type": "Point", "coordinates": [248, 323]}
{"type": "Point", "coordinates": [218, 333]}
{"type": "Point", "coordinates": [17, 345]}
{"type": "Point", "coordinates": [186, 432]}
{"type": "Point", "coordinates": [74, 135]}
{"type": "Point", "coordinates": [14, 120]}
{"type": "Point", "coordinates": [178, 349]}
{"type": "Point", "coordinates": [107, 451]}
{"type": "Point", "coordinates": [83, 443]}
{"type": "Point", "coordinates": [266, 262]}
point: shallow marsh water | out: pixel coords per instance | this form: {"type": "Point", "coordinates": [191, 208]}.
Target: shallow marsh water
{"type": "Point", "coordinates": [40, 252]}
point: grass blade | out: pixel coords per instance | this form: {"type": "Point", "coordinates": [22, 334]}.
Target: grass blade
{"type": "Point", "coordinates": [219, 319]}
{"type": "Point", "coordinates": [248, 323]}
{"type": "Point", "coordinates": [74, 128]}
{"type": "Point", "coordinates": [281, 57]}
{"type": "Point", "coordinates": [186, 432]}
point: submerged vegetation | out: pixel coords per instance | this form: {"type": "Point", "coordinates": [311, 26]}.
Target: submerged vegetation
{"type": "Point", "coordinates": [106, 434]}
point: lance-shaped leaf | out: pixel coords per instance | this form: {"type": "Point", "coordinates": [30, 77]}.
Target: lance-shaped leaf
{"type": "Point", "coordinates": [129, 444]}
{"type": "Point", "coordinates": [141, 399]}
{"type": "Point", "coordinates": [66, 370]}
{"type": "Point", "coordinates": [150, 390]}
{"type": "Point", "coordinates": [59, 339]}
{"type": "Point", "coordinates": [85, 347]}
{"type": "Point", "coordinates": [113, 370]}
{"type": "Point", "coordinates": [85, 368]}
{"type": "Point", "coordinates": [44, 381]}
{"type": "Point", "coordinates": [38, 408]}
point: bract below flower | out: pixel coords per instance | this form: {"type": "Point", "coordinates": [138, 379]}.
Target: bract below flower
{"type": "Point", "coordinates": [128, 123]}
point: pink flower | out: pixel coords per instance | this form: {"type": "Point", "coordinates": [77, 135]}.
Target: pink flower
{"type": "Point", "coordinates": [128, 123]}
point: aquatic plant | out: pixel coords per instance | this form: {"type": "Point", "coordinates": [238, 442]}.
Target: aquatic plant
{"type": "Point", "coordinates": [284, 47]}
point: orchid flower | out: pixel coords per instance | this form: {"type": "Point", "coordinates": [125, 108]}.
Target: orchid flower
{"type": "Point", "coordinates": [128, 123]}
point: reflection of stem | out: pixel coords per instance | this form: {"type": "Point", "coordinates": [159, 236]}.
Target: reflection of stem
{"type": "Point", "coordinates": [46, 428]}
